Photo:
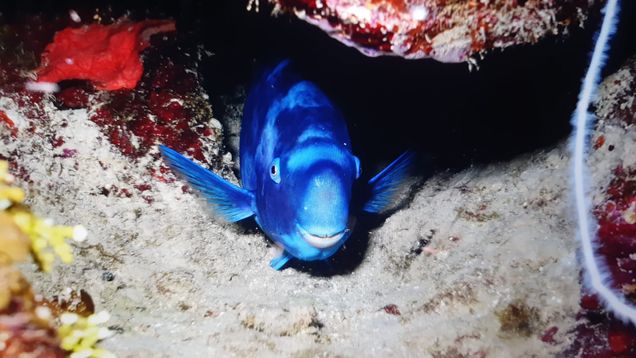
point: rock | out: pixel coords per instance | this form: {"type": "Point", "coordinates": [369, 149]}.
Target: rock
{"type": "Point", "coordinates": [447, 31]}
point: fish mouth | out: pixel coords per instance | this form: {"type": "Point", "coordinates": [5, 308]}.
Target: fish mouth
{"type": "Point", "coordinates": [321, 242]}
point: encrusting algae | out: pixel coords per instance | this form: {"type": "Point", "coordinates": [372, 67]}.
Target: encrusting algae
{"type": "Point", "coordinates": [29, 326]}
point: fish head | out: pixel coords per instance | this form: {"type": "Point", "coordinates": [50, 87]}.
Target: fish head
{"type": "Point", "coordinates": [312, 188]}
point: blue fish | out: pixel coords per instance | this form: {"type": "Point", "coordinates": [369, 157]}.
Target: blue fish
{"type": "Point", "coordinates": [297, 170]}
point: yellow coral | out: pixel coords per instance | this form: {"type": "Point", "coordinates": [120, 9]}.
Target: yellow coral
{"type": "Point", "coordinates": [80, 334]}
{"type": "Point", "coordinates": [19, 227]}
{"type": "Point", "coordinates": [13, 243]}
{"type": "Point", "coordinates": [5, 177]}
{"type": "Point", "coordinates": [46, 239]}
{"type": "Point", "coordinates": [8, 195]}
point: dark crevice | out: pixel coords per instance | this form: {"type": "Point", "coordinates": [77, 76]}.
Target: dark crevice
{"type": "Point", "coordinates": [519, 100]}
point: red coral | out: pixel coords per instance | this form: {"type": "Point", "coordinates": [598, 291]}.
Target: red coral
{"type": "Point", "coordinates": [617, 227]}
{"type": "Point", "coordinates": [620, 340]}
{"type": "Point", "coordinates": [601, 334]}
{"type": "Point", "coordinates": [107, 55]}
{"type": "Point", "coordinates": [22, 337]}
{"type": "Point", "coordinates": [22, 332]}
{"type": "Point", "coordinates": [5, 118]}
{"type": "Point", "coordinates": [73, 97]}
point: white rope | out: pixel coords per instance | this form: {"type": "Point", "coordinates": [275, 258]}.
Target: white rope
{"type": "Point", "coordinates": [598, 277]}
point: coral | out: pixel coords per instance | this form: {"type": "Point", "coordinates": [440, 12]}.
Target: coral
{"type": "Point", "coordinates": [608, 254]}
{"type": "Point", "coordinates": [11, 282]}
{"type": "Point", "coordinates": [163, 110]}
{"type": "Point", "coordinates": [27, 325]}
{"type": "Point", "coordinates": [8, 194]}
{"type": "Point", "coordinates": [80, 334]}
{"type": "Point", "coordinates": [26, 329]}
{"type": "Point", "coordinates": [599, 331]}
{"type": "Point", "coordinates": [107, 55]}
{"type": "Point", "coordinates": [448, 31]}
{"type": "Point", "coordinates": [617, 229]}
{"type": "Point", "coordinates": [46, 239]}
{"type": "Point", "coordinates": [596, 278]}
{"type": "Point", "coordinates": [7, 120]}
{"type": "Point", "coordinates": [600, 334]}
{"type": "Point", "coordinates": [14, 244]}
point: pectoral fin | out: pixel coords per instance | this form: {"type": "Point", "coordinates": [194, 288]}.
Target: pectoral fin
{"type": "Point", "coordinates": [386, 185]}
{"type": "Point", "coordinates": [278, 262]}
{"type": "Point", "coordinates": [228, 201]}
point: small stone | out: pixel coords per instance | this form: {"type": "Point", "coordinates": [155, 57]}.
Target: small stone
{"type": "Point", "coordinates": [108, 276]}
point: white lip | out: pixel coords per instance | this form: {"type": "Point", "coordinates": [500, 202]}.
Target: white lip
{"type": "Point", "coordinates": [321, 242]}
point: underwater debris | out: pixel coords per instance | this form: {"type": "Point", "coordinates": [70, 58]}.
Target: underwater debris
{"type": "Point", "coordinates": [392, 309]}
{"type": "Point", "coordinates": [73, 301]}
{"type": "Point", "coordinates": [599, 142]}
{"type": "Point", "coordinates": [106, 55]}
{"type": "Point", "coordinates": [479, 215]}
{"type": "Point", "coordinates": [548, 335]}
{"type": "Point", "coordinates": [519, 319]}
{"type": "Point", "coordinates": [447, 31]}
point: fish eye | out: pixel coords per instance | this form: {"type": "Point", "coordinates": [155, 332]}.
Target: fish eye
{"type": "Point", "coordinates": [274, 170]}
